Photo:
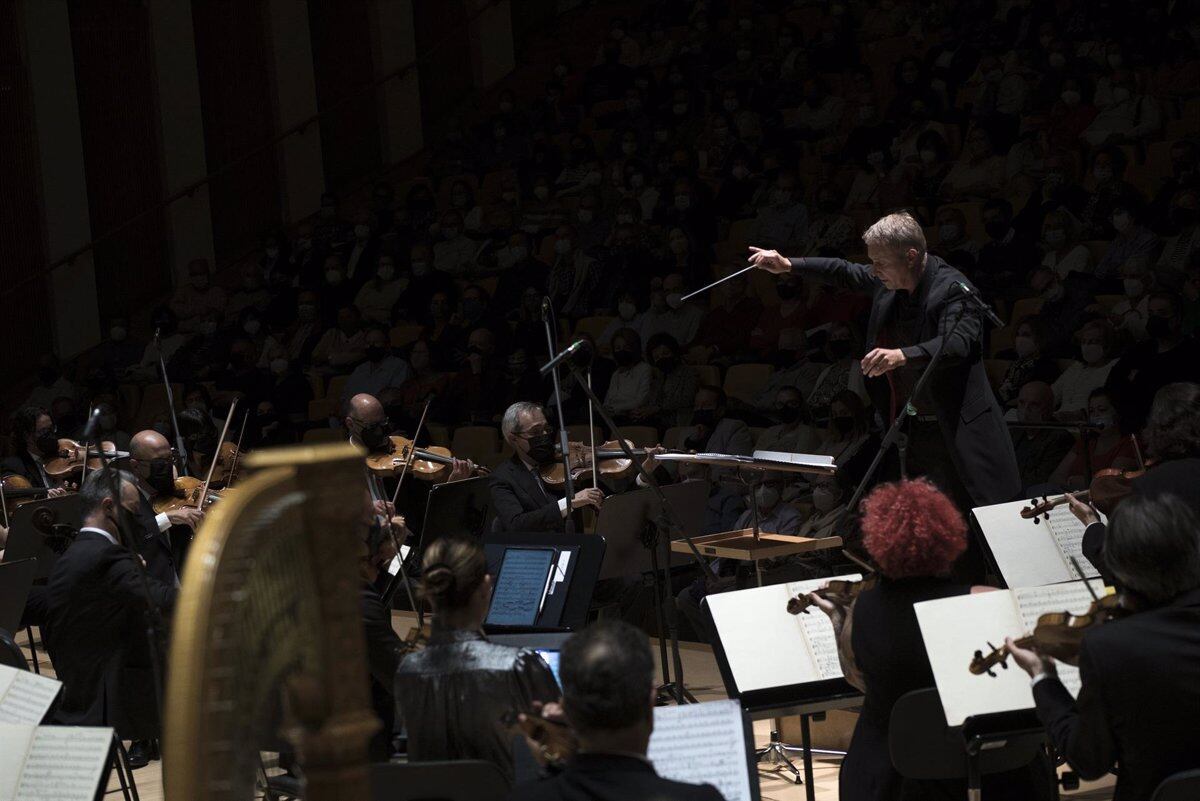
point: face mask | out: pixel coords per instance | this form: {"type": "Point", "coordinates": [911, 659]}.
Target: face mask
{"type": "Point", "coordinates": [200, 282]}
{"type": "Point", "coordinates": [47, 444]}
{"type": "Point", "coordinates": [1057, 60]}
{"type": "Point", "coordinates": [623, 358]}
{"type": "Point", "coordinates": [472, 308]}
{"type": "Point", "coordinates": [1092, 352]}
{"type": "Point", "coordinates": [1121, 94]}
{"type": "Point", "coordinates": [1182, 216]}
{"type": "Point", "coordinates": [996, 229]}
{"type": "Point", "coordinates": [506, 106]}
{"type": "Point", "coordinates": [730, 105]}
{"type": "Point", "coordinates": [624, 219]}
{"type": "Point", "coordinates": [562, 247]}
{"type": "Point", "coordinates": [948, 232]}
{"type": "Point", "coordinates": [626, 310]}
{"type": "Point", "coordinates": [362, 231]}
{"type": "Point", "coordinates": [161, 477]}
{"type": "Point", "coordinates": [740, 172]}
{"type": "Point", "coordinates": [459, 201]}
{"type": "Point", "coordinates": [420, 268]}
{"type": "Point", "coordinates": [683, 202]}
{"type": "Point", "coordinates": [839, 348]}
{"type": "Point", "coordinates": [674, 300]}
{"type": "Point", "coordinates": [449, 233]}
{"type": "Point", "coordinates": [705, 417]}
{"type": "Point", "coordinates": [843, 425]}
{"type": "Point", "coordinates": [767, 498]}
{"type": "Point", "coordinates": [678, 246]}
{"type": "Point", "coordinates": [1115, 60]}
{"type": "Point", "coordinates": [333, 277]}
{"type": "Point", "coordinates": [279, 366]}
{"type": "Point", "coordinates": [252, 327]}
{"type": "Point", "coordinates": [541, 192]}
{"type": "Point", "coordinates": [788, 413]}
{"type": "Point", "coordinates": [875, 159]}
{"type": "Point", "coordinates": [865, 113]}
{"type": "Point", "coordinates": [585, 215]}
{"type": "Point", "coordinates": [637, 181]}
{"type": "Point", "coordinates": [1158, 327]}
{"type": "Point", "coordinates": [306, 312]}
{"type": "Point", "coordinates": [782, 197]}
{"type": "Point", "coordinates": [208, 328]}
{"type": "Point", "coordinates": [1024, 346]}
{"type": "Point", "coordinates": [929, 156]}
{"type": "Point", "coordinates": [386, 273]}
{"type": "Point", "coordinates": [509, 197]}
{"type": "Point", "coordinates": [375, 437]}
{"type": "Point", "coordinates": [1055, 238]}
{"type": "Point", "coordinates": [117, 333]}
{"type": "Point", "coordinates": [541, 448]}
{"type": "Point", "coordinates": [823, 500]}
{"type": "Point", "coordinates": [679, 109]}
{"type": "Point", "coordinates": [375, 353]}
{"type": "Point", "coordinates": [661, 136]}
{"type": "Point", "coordinates": [1071, 97]}
{"type": "Point", "coordinates": [518, 252]}
{"type": "Point", "coordinates": [628, 148]}
{"type": "Point", "coordinates": [272, 252]}
{"type": "Point", "coordinates": [1052, 292]}
{"type": "Point", "coordinates": [1102, 420]}
{"type": "Point", "coordinates": [667, 364]}
{"type": "Point", "coordinates": [1102, 174]}
{"type": "Point", "coordinates": [1133, 287]}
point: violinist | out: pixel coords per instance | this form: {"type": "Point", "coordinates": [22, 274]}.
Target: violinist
{"type": "Point", "coordinates": [1139, 704]}
{"type": "Point", "coordinates": [34, 443]}
{"type": "Point", "coordinates": [914, 534]}
{"type": "Point", "coordinates": [162, 537]}
{"type": "Point", "coordinates": [369, 426]}
{"type": "Point", "coordinates": [523, 502]}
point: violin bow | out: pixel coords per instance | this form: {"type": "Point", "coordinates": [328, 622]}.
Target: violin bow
{"type": "Point", "coordinates": [1137, 451]}
{"type": "Point", "coordinates": [237, 451]}
{"type": "Point", "coordinates": [592, 433]}
{"type": "Point", "coordinates": [216, 455]}
{"type": "Point", "coordinates": [412, 451]}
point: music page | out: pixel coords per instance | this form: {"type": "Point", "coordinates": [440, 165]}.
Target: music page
{"type": "Point", "coordinates": [1031, 554]}
{"type": "Point", "coordinates": [65, 763]}
{"type": "Point", "coordinates": [25, 697]}
{"type": "Point", "coordinates": [1033, 602]}
{"type": "Point", "coordinates": [14, 747]}
{"type": "Point", "coordinates": [703, 744]}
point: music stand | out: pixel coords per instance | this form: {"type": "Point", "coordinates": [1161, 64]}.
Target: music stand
{"type": "Point", "coordinates": [457, 507]}
{"type": "Point", "coordinates": [43, 529]}
{"type": "Point", "coordinates": [566, 608]}
{"type": "Point", "coordinates": [623, 520]}
{"type": "Point", "coordinates": [15, 580]}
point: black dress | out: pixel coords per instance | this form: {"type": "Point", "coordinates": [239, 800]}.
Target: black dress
{"type": "Point", "coordinates": [890, 652]}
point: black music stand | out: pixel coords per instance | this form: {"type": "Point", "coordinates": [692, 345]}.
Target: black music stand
{"type": "Point", "coordinates": [624, 518]}
{"type": "Point", "coordinates": [15, 580]}
{"type": "Point", "coordinates": [462, 507]}
{"type": "Point", "coordinates": [566, 608]}
{"type": "Point", "coordinates": [43, 529]}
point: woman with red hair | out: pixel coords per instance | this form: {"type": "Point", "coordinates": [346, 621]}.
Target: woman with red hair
{"type": "Point", "coordinates": [914, 534]}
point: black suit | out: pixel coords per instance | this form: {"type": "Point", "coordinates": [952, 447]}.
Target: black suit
{"type": "Point", "coordinates": [1140, 701]}
{"type": "Point", "coordinates": [25, 467]}
{"type": "Point", "coordinates": [384, 649]}
{"type": "Point", "coordinates": [522, 502]}
{"type": "Point", "coordinates": [970, 420]}
{"type": "Point", "coordinates": [604, 777]}
{"type": "Point", "coordinates": [96, 635]}
{"type": "Point", "coordinates": [160, 549]}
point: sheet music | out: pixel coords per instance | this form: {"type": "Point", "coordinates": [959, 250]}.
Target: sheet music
{"type": "Point", "coordinates": [703, 744]}
{"type": "Point", "coordinates": [14, 746]}
{"type": "Point", "coordinates": [520, 586]}
{"type": "Point", "coordinates": [1031, 554]}
{"type": "Point", "coordinates": [25, 697]}
{"type": "Point", "coordinates": [766, 646]}
{"type": "Point", "coordinates": [1033, 602]}
{"type": "Point", "coordinates": [65, 763]}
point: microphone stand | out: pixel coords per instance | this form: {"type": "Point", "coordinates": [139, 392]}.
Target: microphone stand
{"type": "Point", "coordinates": [181, 449]}
{"type": "Point", "coordinates": [568, 482]}
{"type": "Point", "coordinates": [667, 525]}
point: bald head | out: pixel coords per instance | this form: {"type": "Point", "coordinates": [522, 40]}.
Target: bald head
{"type": "Point", "coordinates": [364, 409]}
{"type": "Point", "coordinates": [1035, 402]}
{"type": "Point", "coordinates": [149, 444]}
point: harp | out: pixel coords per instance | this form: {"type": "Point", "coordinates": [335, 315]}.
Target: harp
{"type": "Point", "coordinates": [268, 619]}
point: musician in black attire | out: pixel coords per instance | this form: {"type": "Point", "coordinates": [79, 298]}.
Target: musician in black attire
{"type": "Point", "coordinates": [1139, 703]}
{"type": "Point", "coordinates": [34, 442]}
{"type": "Point", "coordinates": [523, 502]}
{"type": "Point", "coordinates": [913, 533]}
{"type": "Point", "coordinates": [96, 618]}
{"type": "Point", "coordinates": [163, 537]}
{"type": "Point", "coordinates": [608, 699]}
{"type": "Point", "coordinates": [958, 436]}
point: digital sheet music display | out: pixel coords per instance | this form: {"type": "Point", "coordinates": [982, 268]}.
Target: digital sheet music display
{"type": "Point", "coordinates": [520, 586]}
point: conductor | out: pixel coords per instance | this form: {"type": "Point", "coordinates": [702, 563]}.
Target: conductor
{"type": "Point", "coordinates": [956, 435]}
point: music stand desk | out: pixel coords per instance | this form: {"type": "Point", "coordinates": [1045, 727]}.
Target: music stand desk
{"type": "Point", "coordinates": [742, 545]}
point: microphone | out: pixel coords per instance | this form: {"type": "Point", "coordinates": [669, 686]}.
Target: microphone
{"type": "Point", "coordinates": [89, 430]}
{"type": "Point", "coordinates": [157, 331]}
{"type": "Point", "coordinates": [578, 346]}
{"type": "Point", "coordinates": [545, 308]}
{"type": "Point", "coordinates": [967, 292]}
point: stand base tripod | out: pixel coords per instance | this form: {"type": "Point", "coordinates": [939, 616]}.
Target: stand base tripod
{"type": "Point", "coordinates": [775, 754]}
{"type": "Point", "coordinates": [667, 693]}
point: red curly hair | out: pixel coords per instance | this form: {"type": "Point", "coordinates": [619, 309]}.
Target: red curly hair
{"type": "Point", "coordinates": [910, 528]}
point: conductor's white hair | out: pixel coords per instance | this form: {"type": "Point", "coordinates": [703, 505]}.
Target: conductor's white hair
{"type": "Point", "coordinates": [897, 232]}
{"type": "Point", "coordinates": [508, 424]}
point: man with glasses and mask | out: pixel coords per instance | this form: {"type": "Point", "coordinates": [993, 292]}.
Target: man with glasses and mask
{"type": "Point", "coordinates": [162, 538]}
{"type": "Point", "coordinates": [523, 502]}
{"type": "Point", "coordinates": [34, 442]}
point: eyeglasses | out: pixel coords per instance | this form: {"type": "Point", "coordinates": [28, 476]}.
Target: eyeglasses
{"type": "Point", "coordinates": [537, 432]}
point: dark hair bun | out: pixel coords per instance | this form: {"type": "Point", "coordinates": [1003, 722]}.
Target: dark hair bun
{"type": "Point", "coordinates": [439, 582]}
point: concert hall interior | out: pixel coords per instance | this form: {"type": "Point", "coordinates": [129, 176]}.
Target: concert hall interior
{"type": "Point", "coordinates": [555, 400]}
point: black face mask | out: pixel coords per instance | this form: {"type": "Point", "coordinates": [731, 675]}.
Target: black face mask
{"type": "Point", "coordinates": [47, 444]}
{"type": "Point", "coordinates": [789, 413]}
{"type": "Point", "coordinates": [375, 353]}
{"type": "Point", "coordinates": [160, 477]}
{"type": "Point", "coordinates": [1158, 327]}
{"type": "Point", "coordinates": [374, 437]}
{"type": "Point", "coordinates": [705, 417]}
{"type": "Point", "coordinates": [623, 358]}
{"type": "Point", "coordinates": [839, 348]}
{"type": "Point", "coordinates": [843, 425]}
{"type": "Point", "coordinates": [996, 229]}
{"type": "Point", "coordinates": [667, 365]}
{"type": "Point", "coordinates": [541, 448]}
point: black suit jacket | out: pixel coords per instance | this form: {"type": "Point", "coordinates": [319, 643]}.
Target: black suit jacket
{"type": "Point", "coordinates": [159, 548]}
{"type": "Point", "coordinates": [22, 466]}
{"type": "Point", "coordinates": [1140, 701]}
{"type": "Point", "coordinates": [384, 649]}
{"type": "Point", "coordinates": [520, 503]}
{"type": "Point", "coordinates": [603, 777]}
{"type": "Point", "coordinates": [96, 635]}
{"type": "Point", "coordinates": [968, 415]}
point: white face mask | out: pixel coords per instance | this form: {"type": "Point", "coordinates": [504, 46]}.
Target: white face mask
{"type": "Point", "coordinates": [823, 499]}
{"type": "Point", "coordinates": [928, 156]}
{"type": "Point", "coordinates": [1092, 352]}
{"type": "Point", "coordinates": [420, 268]}
{"type": "Point", "coordinates": [1024, 346]}
{"type": "Point", "coordinates": [386, 273]}
{"type": "Point", "coordinates": [627, 310]}
{"type": "Point", "coordinates": [1102, 420]}
{"type": "Point", "coordinates": [1071, 97]}
{"type": "Point", "coordinates": [334, 277]}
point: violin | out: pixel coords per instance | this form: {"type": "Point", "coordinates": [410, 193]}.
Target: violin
{"type": "Point", "coordinates": [228, 456]}
{"type": "Point", "coordinates": [556, 741]}
{"type": "Point", "coordinates": [1057, 635]}
{"type": "Point", "coordinates": [429, 464]}
{"type": "Point", "coordinates": [611, 462]}
{"type": "Point", "coordinates": [841, 591]}
{"type": "Point", "coordinates": [71, 455]}
{"type": "Point", "coordinates": [1108, 488]}
{"type": "Point", "coordinates": [17, 491]}
{"type": "Point", "coordinates": [187, 493]}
